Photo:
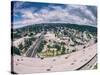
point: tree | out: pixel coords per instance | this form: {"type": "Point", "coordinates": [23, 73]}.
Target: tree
{"type": "Point", "coordinates": [63, 50]}
{"type": "Point", "coordinates": [48, 46]}
{"type": "Point", "coordinates": [62, 43]}
{"type": "Point", "coordinates": [44, 42]}
{"type": "Point", "coordinates": [15, 50]}
{"type": "Point", "coordinates": [31, 34]}
{"type": "Point", "coordinates": [67, 50]}
{"type": "Point", "coordinates": [41, 46]}
{"type": "Point", "coordinates": [58, 48]}
{"type": "Point", "coordinates": [27, 42]}
{"type": "Point", "coordinates": [20, 46]}
{"type": "Point", "coordinates": [32, 39]}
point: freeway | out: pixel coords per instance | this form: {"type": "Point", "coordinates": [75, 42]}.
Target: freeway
{"type": "Point", "coordinates": [89, 64]}
{"type": "Point", "coordinates": [80, 60]}
{"type": "Point", "coordinates": [34, 47]}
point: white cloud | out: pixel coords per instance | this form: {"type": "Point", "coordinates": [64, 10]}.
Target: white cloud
{"type": "Point", "coordinates": [58, 14]}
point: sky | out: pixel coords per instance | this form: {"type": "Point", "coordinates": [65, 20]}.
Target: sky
{"type": "Point", "coordinates": [28, 13]}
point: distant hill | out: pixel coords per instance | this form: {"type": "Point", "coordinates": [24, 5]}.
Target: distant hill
{"type": "Point", "coordinates": [53, 25]}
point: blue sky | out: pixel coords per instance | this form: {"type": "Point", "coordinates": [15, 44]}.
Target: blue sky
{"type": "Point", "coordinates": [28, 13]}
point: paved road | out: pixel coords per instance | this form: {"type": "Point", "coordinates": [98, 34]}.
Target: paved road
{"type": "Point", "coordinates": [80, 60]}
{"type": "Point", "coordinates": [33, 49]}
{"type": "Point", "coordinates": [89, 64]}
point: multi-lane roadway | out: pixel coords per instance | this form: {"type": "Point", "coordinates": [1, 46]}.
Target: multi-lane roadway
{"type": "Point", "coordinates": [80, 60]}
{"type": "Point", "coordinates": [31, 52]}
